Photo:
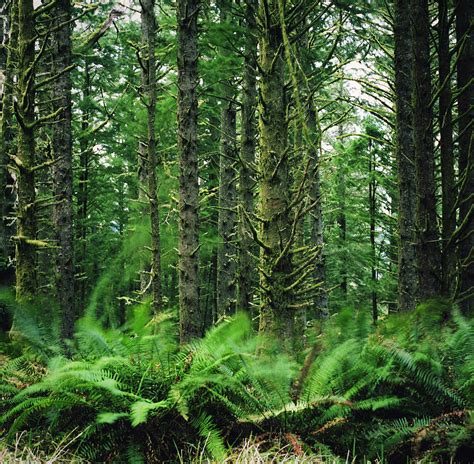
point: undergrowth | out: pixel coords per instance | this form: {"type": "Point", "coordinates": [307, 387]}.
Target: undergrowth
{"type": "Point", "coordinates": [402, 390]}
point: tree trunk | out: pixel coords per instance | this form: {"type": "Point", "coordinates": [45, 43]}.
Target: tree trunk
{"type": "Point", "coordinates": [342, 222]}
{"type": "Point", "coordinates": [465, 73]}
{"type": "Point", "coordinates": [372, 211]}
{"type": "Point", "coordinates": [190, 316]}
{"type": "Point", "coordinates": [25, 250]}
{"type": "Point", "coordinates": [143, 202]}
{"type": "Point", "coordinates": [149, 96]}
{"type": "Point", "coordinates": [226, 255]}
{"type": "Point", "coordinates": [62, 170]}
{"type": "Point", "coordinates": [405, 154]}
{"type": "Point", "coordinates": [316, 214]}
{"type": "Point", "coordinates": [83, 195]}
{"type": "Point", "coordinates": [277, 314]}
{"type": "Point", "coordinates": [247, 153]}
{"type": "Point", "coordinates": [448, 181]}
{"type": "Point", "coordinates": [7, 139]}
{"type": "Point", "coordinates": [428, 250]}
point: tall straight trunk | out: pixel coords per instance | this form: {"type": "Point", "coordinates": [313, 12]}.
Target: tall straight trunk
{"type": "Point", "coordinates": [143, 211]}
{"type": "Point", "coordinates": [226, 226]}
{"type": "Point", "coordinates": [190, 316]}
{"type": "Point", "coordinates": [276, 312]}
{"type": "Point", "coordinates": [465, 73]}
{"type": "Point", "coordinates": [7, 139]}
{"type": "Point", "coordinates": [247, 154]}
{"type": "Point", "coordinates": [448, 184]}
{"type": "Point", "coordinates": [372, 212]}
{"type": "Point", "coordinates": [405, 155]}
{"type": "Point", "coordinates": [83, 194]}
{"type": "Point", "coordinates": [149, 94]}
{"type": "Point", "coordinates": [62, 169]}
{"type": "Point", "coordinates": [342, 222]}
{"type": "Point", "coordinates": [25, 249]}
{"type": "Point", "coordinates": [428, 255]}
{"type": "Point", "coordinates": [316, 214]}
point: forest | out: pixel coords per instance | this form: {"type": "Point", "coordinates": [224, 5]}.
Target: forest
{"type": "Point", "coordinates": [237, 231]}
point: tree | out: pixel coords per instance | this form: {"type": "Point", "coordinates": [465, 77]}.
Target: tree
{"type": "Point", "coordinates": [25, 239]}
{"type": "Point", "coordinates": [428, 249]}
{"type": "Point", "coordinates": [247, 161]}
{"type": "Point", "coordinates": [465, 100]}
{"type": "Point", "coordinates": [190, 317]}
{"type": "Point", "coordinates": [7, 138]}
{"type": "Point", "coordinates": [448, 181]}
{"type": "Point", "coordinates": [62, 168]}
{"type": "Point", "coordinates": [275, 237]}
{"type": "Point", "coordinates": [148, 65]}
{"type": "Point", "coordinates": [226, 255]}
{"type": "Point", "coordinates": [405, 154]}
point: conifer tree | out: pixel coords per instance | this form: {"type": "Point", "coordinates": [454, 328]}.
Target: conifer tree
{"type": "Point", "coordinates": [276, 313]}
{"type": "Point", "coordinates": [190, 316]}
{"type": "Point", "coordinates": [465, 101]}
{"type": "Point", "coordinates": [62, 167]}
{"type": "Point", "coordinates": [405, 154]}
{"type": "Point", "coordinates": [247, 161]}
{"type": "Point", "coordinates": [226, 255]}
{"type": "Point", "coordinates": [148, 65]}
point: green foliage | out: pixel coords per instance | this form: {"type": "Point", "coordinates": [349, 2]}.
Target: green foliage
{"type": "Point", "coordinates": [398, 390]}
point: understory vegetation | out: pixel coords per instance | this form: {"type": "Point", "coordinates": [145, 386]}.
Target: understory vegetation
{"type": "Point", "coordinates": [403, 388]}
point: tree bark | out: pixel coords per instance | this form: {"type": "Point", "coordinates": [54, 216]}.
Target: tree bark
{"type": "Point", "coordinates": [428, 250]}
{"type": "Point", "coordinates": [25, 249]}
{"type": "Point", "coordinates": [7, 138]}
{"type": "Point", "coordinates": [465, 73]}
{"type": "Point", "coordinates": [149, 96]}
{"type": "Point", "coordinates": [83, 194]}
{"type": "Point", "coordinates": [316, 214]}
{"type": "Point", "coordinates": [247, 153]}
{"type": "Point", "coordinates": [372, 212]}
{"type": "Point", "coordinates": [448, 181]}
{"type": "Point", "coordinates": [190, 316]}
{"type": "Point", "coordinates": [405, 154]}
{"type": "Point", "coordinates": [226, 255]}
{"type": "Point", "coordinates": [62, 169]}
{"type": "Point", "coordinates": [276, 312]}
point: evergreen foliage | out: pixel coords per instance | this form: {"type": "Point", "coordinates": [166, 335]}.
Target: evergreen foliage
{"type": "Point", "coordinates": [408, 393]}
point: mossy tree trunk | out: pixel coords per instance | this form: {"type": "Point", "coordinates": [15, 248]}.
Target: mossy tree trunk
{"type": "Point", "coordinates": [226, 226]}
{"type": "Point", "coordinates": [83, 194]}
{"type": "Point", "coordinates": [25, 250]}
{"type": "Point", "coordinates": [405, 155]}
{"type": "Point", "coordinates": [7, 139]}
{"type": "Point", "coordinates": [62, 169]}
{"type": "Point", "coordinates": [448, 181]}
{"type": "Point", "coordinates": [428, 249]}
{"type": "Point", "coordinates": [276, 312]}
{"type": "Point", "coordinates": [316, 214]}
{"type": "Point", "coordinates": [465, 73]}
{"type": "Point", "coordinates": [148, 64]}
{"type": "Point", "coordinates": [247, 154]}
{"type": "Point", "coordinates": [190, 316]}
